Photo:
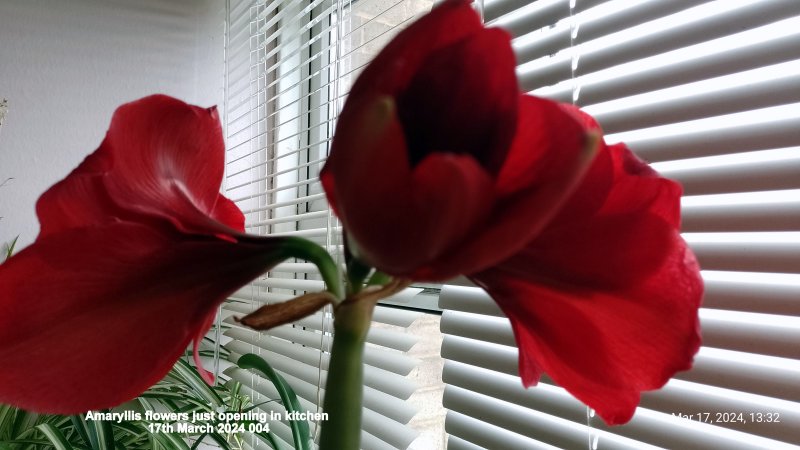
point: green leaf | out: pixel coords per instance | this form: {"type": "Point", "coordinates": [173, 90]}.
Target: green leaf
{"type": "Point", "coordinates": [220, 440]}
{"type": "Point", "coordinates": [270, 438]}
{"type": "Point", "coordinates": [55, 436]}
{"type": "Point", "coordinates": [192, 378]}
{"type": "Point", "coordinates": [24, 423]}
{"type": "Point", "coordinates": [357, 270]}
{"type": "Point", "coordinates": [300, 431]}
{"type": "Point", "coordinates": [378, 278]}
{"type": "Point", "coordinates": [100, 434]}
{"type": "Point", "coordinates": [198, 441]}
{"type": "Point", "coordinates": [79, 423]}
{"type": "Point", "coordinates": [171, 441]}
{"type": "Point", "coordinates": [10, 247]}
{"type": "Point", "coordinates": [7, 414]}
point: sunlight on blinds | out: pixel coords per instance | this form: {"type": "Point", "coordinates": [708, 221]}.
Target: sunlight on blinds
{"type": "Point", "coordinates": [709, 91]}
{"type": "Point", "coordinates": [289, 66]}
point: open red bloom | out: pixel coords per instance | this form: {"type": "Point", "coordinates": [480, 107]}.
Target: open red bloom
{"type": "Point", "coordinates": [137, 249]}
{"type": "Point", "coordinates": [604, 300]}
{"type": "Point", "coordinates": [441, 167]}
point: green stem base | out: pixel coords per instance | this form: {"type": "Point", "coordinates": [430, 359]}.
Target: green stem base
{"type": "Point", "coordinates": [344, 387]}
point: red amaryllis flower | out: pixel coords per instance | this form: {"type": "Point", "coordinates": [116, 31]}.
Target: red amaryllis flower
{"type": "Point", "coordinates": [441, 167]}
{"type": "Point", "coordinates": [137, 248]}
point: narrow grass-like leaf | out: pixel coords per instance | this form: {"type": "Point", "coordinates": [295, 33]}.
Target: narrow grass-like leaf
{"type": "Point", "coordinates": [100, 434]}
{"type": "Point", "coordinates": [10, 248]}
{"type": "Point", "coordinates": [270, 438]}
{"type": "Point", "coordinates": [55, 436]}
{"type": "Point", "coordinates": [300, 430]}
{"type": "Point", "coordinates": [172, 441]}
{"type": "Point", "coordinates": [36, 442]}
{"type": "Point", "coordinates": [192, 378]}
{"type": "Point", "coordinates": [198, 441]}
{"type": "Point", "coordinates": [7, 415]}
{"type": "Point", "coordinates": [24, 423]}
{"type": "Point", "coordinates": [220, 440]}
{"type": "Point", "coordinates": [135, 430]}
{"type": "Point", "coordinates": [79, 424]}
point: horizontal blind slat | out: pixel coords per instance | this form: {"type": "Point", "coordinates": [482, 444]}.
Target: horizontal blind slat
{"type": "Point", "coordinates": [699, 105]}
{"type": "Point", "coordinates": [549, 429]}
{"type": "Point", "coordinates": [719, 141]}
{"type": "Point", "coordinates": [783, 216]}
{"type": "Point", "coordinates": [651, 427]}
{"type": "Point", "coordinates": [560, 37]}
{"type": "Point", "coordinates": [311, 377]}
{"type": "Point", "coordinates": [752, 297]}
{"type": "Point", "coordinates": [732, 178]}
{"type": "Point", "coordinates": [676, 35]}
{"type": "Point", "coordinates": [677, 397]}
{"type": "Point", "coordinates": [391, 433]}
{"type": "Point", "coordinates": [781, 257]}
{"type": "Point", "coordinates": [762, 334]}
{"type": "Point", "coordinates": [746, 51]}
{"type": "Point", "coordinates": [393, 361]}
{"type": "Point", "coordinates": [378, 400]}
{"type": "Point", "coordinates": [375, 377]}
{"type": "Point", "coordinates": [468, 433]}
{"type": "Point", "coordinates": [389, 316]}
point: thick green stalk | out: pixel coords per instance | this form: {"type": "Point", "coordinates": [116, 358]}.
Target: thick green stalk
{"type": "Point", "coordinates": [344, 387]}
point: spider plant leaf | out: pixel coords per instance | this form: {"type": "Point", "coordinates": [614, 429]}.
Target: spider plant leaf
{"type": "Point", "coordinates": [100, 434]}
{"type": "Point", "coordinates": [192, 379]}
{"type": "Point", "coordinates": [55, 436]}
{"type": "Point", "coordinates": [24, 423]}
{"type": "Point", "coordinates": [171, 441]}
{"type": "Point", "coordinates": [220, 440]}
{"type": "Point", "coordinates": [79, 424]}
{"type": "Point", "coordinates": [270, 438]}
{"type": "Point", "coordinates": [300, 430]}
{"type": "Point", "coordinates": [10, 247]}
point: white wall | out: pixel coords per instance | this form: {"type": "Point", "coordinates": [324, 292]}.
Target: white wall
{"type": "Point", "coordinates": [66, 65]}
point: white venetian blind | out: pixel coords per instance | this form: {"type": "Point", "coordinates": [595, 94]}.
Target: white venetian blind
{"type": "Point", "coordinates": [289, 66]}
{"type": "Point", "coordinates": [709, 92]}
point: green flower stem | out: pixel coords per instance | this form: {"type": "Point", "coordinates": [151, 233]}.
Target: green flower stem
{"type": "Point", "coordinates": [344, 387]}
{"type": "Point", "coordinates": [304, 249]}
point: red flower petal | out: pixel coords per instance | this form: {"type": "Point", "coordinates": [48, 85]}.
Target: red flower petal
{"type": "Point", "coordinates": [207, 376]}
{"type": "Point", "coordinates": [392, 69]}
{"type": "Point", "coordinates": [605, 299]}
{"type": "Point", "coordinates": [91, 317]}
{"type": "Point", "coordinates": [604, 346]}
{"type": "Point", "coordinates": [549, 155]}
{"type": "Point", "coordinates": [436, 204]}
{"type": "Point", "coordinates": [477, 115]}
{"type": "Point", "coordinates": [78, 200]}
{"type": "Point", "coordinates": [226, 212]}
{"type": "Point", "coordinates": [154, 145]}
{"type": "Point", "coordinates": [161, 161]}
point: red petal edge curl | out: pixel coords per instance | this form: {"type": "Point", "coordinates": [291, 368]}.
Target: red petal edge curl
{"type": "Point", "coordinates": [605, 300]}
{"type": "Point", "coordinates": [137, 249]}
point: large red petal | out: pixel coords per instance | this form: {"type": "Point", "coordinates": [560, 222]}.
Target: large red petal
{"type": "Point", "coordinates": [91, 317]}
{"type": "Point", "coordinates": [476, 115]}
{"type": "Point", "coordinates": [392, 69]}
{"type": "Point", "coordinates": [78, 200]}
{"type": "Point", "coordinates": [167, 157]}
{"type": "Point", "coordinates": [227, 213]}
{"type": "Point", "coordinates": [549, 155]}
{"type": "Point", "coordinates": [605, 298]}
{"type": "Point", "coordinates": [399, 218]}
{"type": "Point", "coordinates": [605, 346]}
